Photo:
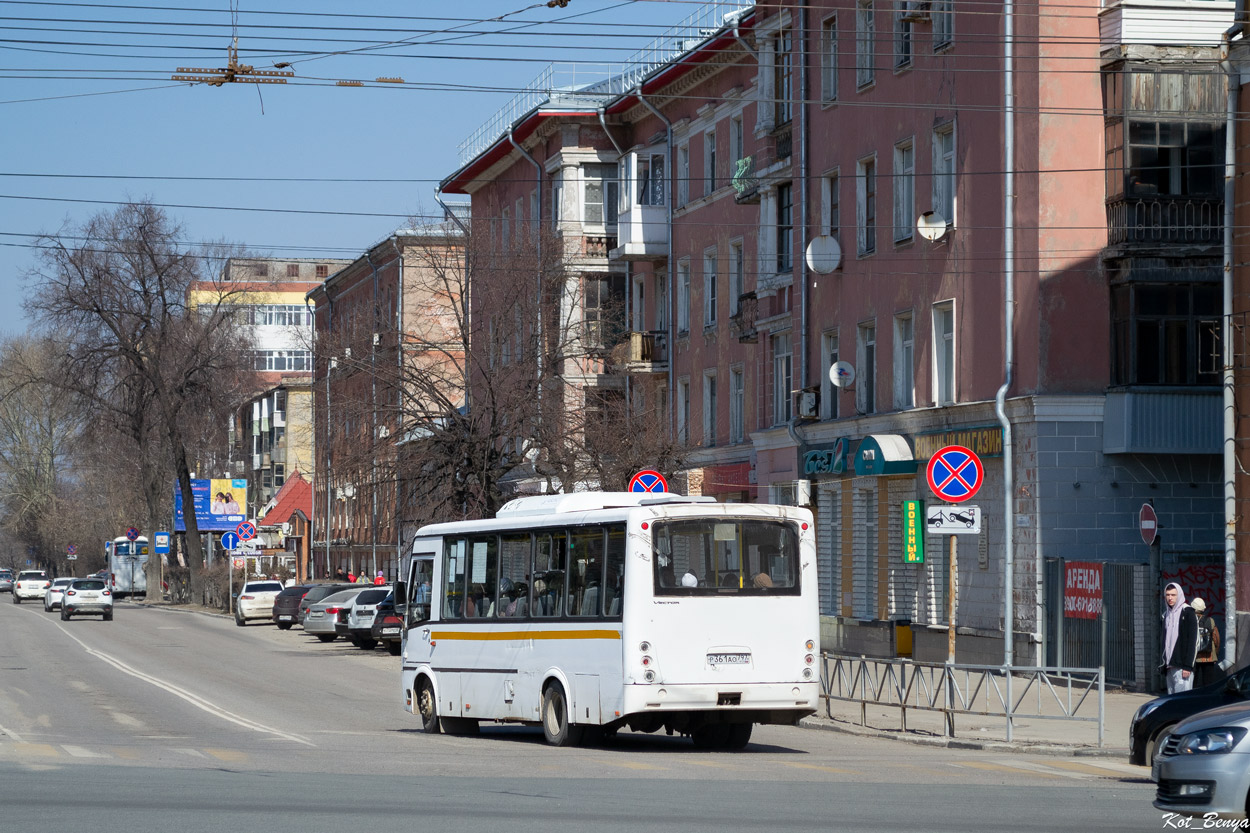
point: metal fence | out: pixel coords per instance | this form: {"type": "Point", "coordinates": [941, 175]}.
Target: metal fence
{"type": "Point", "coordinates": [1072, 642]}
{"type": "Point", "coordinates": [1045, 693]}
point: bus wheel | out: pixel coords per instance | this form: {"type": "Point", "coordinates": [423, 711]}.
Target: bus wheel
{"type": "Point", "coordinates": [711, 736]}
{"type": "Point", "coordinates": [427, 709]}
{"type": "Point", "coordinates": [739, 735]}
{"type": "Point", "coordinates": [556, 727]}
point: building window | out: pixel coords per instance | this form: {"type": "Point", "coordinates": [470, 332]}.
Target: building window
{"type": "Point", "coordinates": [830, 213]}
{"type": "Point", "coordinates": [661, 302]}
{"type": "Point", "coordinates": [261, 270]}
{"type": "Point", "coordinates": [829, 60]}
{"type": "Point", "coordinates": [865, 43]}
{"type": "Point", "coordinates": [782, 379]}
{"type": "Point", "coordinates": [942, 13]}
{"type": "Point", "coordinates": [277, 315]}
{"type": "Point", "coordinates": [785, 227]}
{"type": "Point", "coordinates": [709, 288]}
{"type": "Point", "coordinates": [904, 190]}
{"type": "Point", "coordinates": [1166, 334]}
{"type": "Point", "coordinates": [323, 271]}
{"type": "Point", "coordinates": [737, 145]}
{"type": "Point", "coordinates": [944, 353]}
{"type": "Point", "coordinates": [279, 475]}
{"type": "Point", "coordinates": [866, 205]}
{"type": "Point", "coordinates": [944, 172]}
{"type": "Point", "coordinates": [292, 270]}
{"type": "Point", "coordinates": [683, 175]}
{"type": "Point", "coordinates": [282, 360]}
{"type": "Point", "coordinates": [505, 231]}
{"type": "Point", "coordinates": [709, 408]}
{"type": "Point", "coordinates": [651, 178]}
{"type": "Point", "coordinates": [902, 34]}
{"type": "Point", "coordinates": [557, 198]}
{"type": "Point", "coordinates": [736, 276]}
{"type": "Point", "coordinates": [1175, 158]}
{"type": "Point", "coordinates": [828, 391]}
{"type": "Point", "coordinates": [737, 406]}
{"type": "Point", "coordinates": [599, 197]}
{"type": "Point", "coordinates": [534, 218]}
{"type": "Point", "coordinates": [866, 370]}
{"type": "Point", "coordinates": [783, 59]}
{"type": "Point", "coordinates": [683, 296]}
{"type": "Point", "coordinates": [604, 309]}
{"type": "Point", "coordinates": [683, 411]}
{"type": "Point", "coordinates": [709, 162]}
{"type": "Point", "coordinates": [904, 362]}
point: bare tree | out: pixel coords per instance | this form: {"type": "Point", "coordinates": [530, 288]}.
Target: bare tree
{"type": "Point", "coordinates": [147, 356]}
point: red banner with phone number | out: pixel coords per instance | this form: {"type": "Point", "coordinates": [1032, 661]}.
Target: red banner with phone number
{"type": "Point", "coordinates": [1082, 589]}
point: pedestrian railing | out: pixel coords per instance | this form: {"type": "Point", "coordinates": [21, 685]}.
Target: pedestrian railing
{"type": "Point", "coordinates": [1054, 693]}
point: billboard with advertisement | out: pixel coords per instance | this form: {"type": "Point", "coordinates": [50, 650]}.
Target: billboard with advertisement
{"type": "Point", "coordinates": [220, 504]}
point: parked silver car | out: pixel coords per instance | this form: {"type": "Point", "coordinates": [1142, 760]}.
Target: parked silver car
{"type": "Point", "coordinates": [323, 616]}
{"type": "Point", "coordinates": [1202, 768]}
{"type": "Point", "coordinates": [6, 581]}
{"type": "Point", "coordinates": [52, 596]}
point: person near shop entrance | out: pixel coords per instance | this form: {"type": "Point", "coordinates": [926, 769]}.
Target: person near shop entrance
{"type": "Point", "coordinates": [1206, 660]}
{"type": "Point", "coordinates": [1180, 639]}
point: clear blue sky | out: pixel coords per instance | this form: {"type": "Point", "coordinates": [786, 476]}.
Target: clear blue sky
{"type": "Point", "coordinates": [85, 94]}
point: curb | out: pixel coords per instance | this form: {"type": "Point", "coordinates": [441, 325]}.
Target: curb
{"type": "Point", "coordinates": [834, 725]}
{"type": "Point", "coordinates": [170, 609]}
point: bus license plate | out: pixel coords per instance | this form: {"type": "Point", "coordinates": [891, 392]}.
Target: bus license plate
{"type": "Point", "coordinates": [728, 659]}
{"type": "Point", "coordinates": [390, 631]}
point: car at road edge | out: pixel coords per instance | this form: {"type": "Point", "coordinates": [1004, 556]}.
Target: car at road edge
{"type": "Point", "coordinates": [1157, 717]}
{"type": "Point", "coordinates": [1202, 768]}
{"type": "Point", "coordinates": [256, 601]}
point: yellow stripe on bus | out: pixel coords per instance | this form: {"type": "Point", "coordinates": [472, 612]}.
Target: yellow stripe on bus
{"type": "Point", "coordinates": [474, 636]}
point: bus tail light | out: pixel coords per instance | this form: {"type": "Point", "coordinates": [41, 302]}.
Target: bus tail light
{"type": "Point", "coordinates": [809, 659]}
{"type": "Point", "coordinates": [646, 662]}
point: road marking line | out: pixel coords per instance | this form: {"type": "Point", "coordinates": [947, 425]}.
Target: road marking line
{"type": "Point", "coordinates": [9, 732]}
{"type": "Point", "coordinates": [230, 755]}
{"type": "Point", "coordinates": [635, 765]}
{"type": "Point", "coordinates": [194, 753]}
{"type": "Point", "coordinates": [195, 700]}
{"type": "Point", "coordinates": [817, 767]}
{"type": "Point", "coordinates": [1102, 771]}
{"type": "Point", "coordinates": [45, 749]}
{"type": "Point", "coordinates": [80, 752]}
{"type": "Point", "coordinates": [1015, 768]}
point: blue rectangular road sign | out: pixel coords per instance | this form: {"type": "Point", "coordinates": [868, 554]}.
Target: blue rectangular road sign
{"type": "Point", "coordinates": [162, 543]}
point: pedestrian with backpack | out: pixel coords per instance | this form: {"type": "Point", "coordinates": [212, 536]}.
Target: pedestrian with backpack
{"type": "Point", "coordinates": [1206, 659]}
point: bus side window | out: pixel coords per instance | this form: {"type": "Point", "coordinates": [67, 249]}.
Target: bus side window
{"type": "Point", "coordinates": [548, 575]}
{"type": "Point", "coordinates": [454, 559]}
{"type": "Point", "coordinates": [514, 573]}
{"type": "Point", "coordinates": [482, 570]}
{"type": "Point", "coordinates": [586, 572]}
{"type": "Point", "coordinates": [614, 579]}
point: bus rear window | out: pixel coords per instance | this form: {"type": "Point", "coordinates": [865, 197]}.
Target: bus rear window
{"type": "Point", "coordinates": [711, 557]}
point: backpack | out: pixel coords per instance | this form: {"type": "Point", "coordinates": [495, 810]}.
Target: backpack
{"type": "Point", "coordinates": [1204, 637]}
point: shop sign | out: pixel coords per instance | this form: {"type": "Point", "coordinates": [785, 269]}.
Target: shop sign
{"type": "Point", "coordinates": [825, 459]}
{"type": "Point", "coordinates": [913, 531]}
{"type": "Point", "coordinates": [985, 441]}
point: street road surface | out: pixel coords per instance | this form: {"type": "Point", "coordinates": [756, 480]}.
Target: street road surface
{"type": "Point", "coordinates": [173, 721]}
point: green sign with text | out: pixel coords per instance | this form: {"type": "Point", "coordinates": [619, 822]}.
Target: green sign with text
{"type": "Point", "coordinates": [913, 531]}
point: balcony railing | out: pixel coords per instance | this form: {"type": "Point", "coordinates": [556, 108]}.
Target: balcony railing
{"type": "Point", "coordinates": [742, 322]}
{"type": "Point", "coordinates": [783, 144]}
{"type": "Point", "coordinates": [1159, 220]}
{"type": "Point", "coordinates": [643, 352]}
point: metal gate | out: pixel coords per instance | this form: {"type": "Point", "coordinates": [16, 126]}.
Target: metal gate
{"type": "Point", "coordinates": [1078, 642]}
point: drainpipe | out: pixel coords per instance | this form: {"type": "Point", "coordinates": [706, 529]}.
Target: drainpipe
{"type": "Point", "coordinates": [538, 255]}
{"type": "Point", "coordinates": [1230, 421]}
{"type": "Point", "coordinates": [800, 252]}
{"type": "Point", "coordinates": [629, 288]}
{"type": "Point", "coordinates": [668, 262]}
{"type": "Point", "coordinates": [738, 37]}
{"type": "Point", "coordinates": [1009, 301]}
{"type": "Point", "coordinates": [373, 424]}
{"type": "Point", "coordinates": [399, 351]}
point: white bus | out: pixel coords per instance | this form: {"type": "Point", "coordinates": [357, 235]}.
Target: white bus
{"type": "Point", "coordinates": [607, 610]}
{"type": "Point", "coordinates": [128, 564]}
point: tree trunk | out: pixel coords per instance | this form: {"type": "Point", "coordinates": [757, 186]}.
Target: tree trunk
{"type": "Point", "coordinates": [195, 552]}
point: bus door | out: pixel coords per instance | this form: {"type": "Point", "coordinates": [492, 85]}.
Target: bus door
{"type": "Point", "coordinates": [418, 590]}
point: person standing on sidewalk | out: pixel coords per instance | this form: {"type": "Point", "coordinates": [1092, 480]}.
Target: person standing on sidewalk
{"type": "Point", "coordinates": [1180, 639]}
{"type": "Point", "coordinates": [1206, 671]}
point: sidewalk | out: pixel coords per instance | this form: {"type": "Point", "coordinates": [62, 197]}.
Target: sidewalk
{"type": "Point", "coordinates": [1030, 733]}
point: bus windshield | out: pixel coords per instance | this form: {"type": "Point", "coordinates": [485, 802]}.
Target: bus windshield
{"type": "Point", "coordinates": [712, 557]}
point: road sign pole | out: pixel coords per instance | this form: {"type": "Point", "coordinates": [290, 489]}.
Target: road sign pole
{"type": "Point", "coordinates": [950, 602]}
{"type": "Point", "coordinates": [229, 582]}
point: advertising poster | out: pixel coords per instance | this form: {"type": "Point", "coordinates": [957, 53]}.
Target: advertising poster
{"type": "Point", "coordinates": [219, 505]}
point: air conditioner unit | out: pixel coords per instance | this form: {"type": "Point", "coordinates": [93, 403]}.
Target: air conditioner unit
{"type": "Point", "coordinates": [915, 11]}
{"type": "Point", "coordinates": [808, 403]}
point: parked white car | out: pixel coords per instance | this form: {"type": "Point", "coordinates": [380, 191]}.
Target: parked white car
{"type": "Point", "coordinates": [256, 601]}
{"type": "Point", "coordinates": [30, 584]}
{"type": "Point", "coordinates": [52, 596]}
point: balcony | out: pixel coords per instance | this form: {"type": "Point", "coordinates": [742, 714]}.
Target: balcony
{"type": "Point", "coordinates": [1163, 22]}
{"type": "Point", "coordinates": [642, 234]}
{"type": "Point", "coordinates": [597, 245]}
{"type": "Point", "coordinates": [1162, 221]}
{"type": "Point", "coordinates": [643, 353]}
{"type": "Point", "coordinates": [1163, 421]}
{"type": "Point", "coordinates": [742, 322]}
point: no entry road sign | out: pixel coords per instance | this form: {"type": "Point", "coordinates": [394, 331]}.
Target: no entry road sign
{"type": "Point", "coordinates": [1148, 523]}
{"type": "Point", "coordinates": [955, 473]}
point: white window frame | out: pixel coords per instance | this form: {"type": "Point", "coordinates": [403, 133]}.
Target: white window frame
{"type": "Point", "coordinates": [829, 59]}
{"type": "Point", "coordinates": [609, 195]}
{"type": "Point", "coordinates": [904, 185]}
{"type": "Point", "coordinates": [683, 411]}
{"type": "Point", "coordinates": [737, 274]}
{"type": "Point", "coordinates": [904, 36]}
{"type": "Point", "coordinates": [783, 379]}
{"type": "Point", "coordinates": [683, 295]}
{"type": "Point", "coordinates": [683, 174]}
{"type": "Point", "coordinates": [866, 367]}
{"type": "Point", "coordinates": [829, 356]}
{"type": "Point", "coordinates": [944, 354]}
{"type": "Point", "coordinates": [709, 162]}
{"type": "Point", "coordinates": [830, 203]}
{"type": "Point", "coordinates": [942, 16]}
{"type": "Point", "coordinates": [737, 404]}
{"type": "Point", "coordinates": [865, 44]}
{"type": "Point", "coordinates": [557, 198]}
{"type": "Point", "coordinates": [944, 171]}
{"type": "Point", "coordinates": [866, 205]}
{"type": "Point", "coordinates": [783, 77]}
{"type": "Point", "coordinates": [904, 361]}
{"type": "Point", "coordinates": [709, 408]}
{"type": "Point", "coordinates": [737, 141]}
{"type": "Point", "coordinates": [710, 299]}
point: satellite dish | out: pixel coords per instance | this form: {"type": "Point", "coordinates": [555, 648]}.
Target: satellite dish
{"type": "Point", "coordinates": [932, 226]}
{"type": "Point", "coordinates": [841, 374]}
{"type": "Point", "coordinates": [823, 254]}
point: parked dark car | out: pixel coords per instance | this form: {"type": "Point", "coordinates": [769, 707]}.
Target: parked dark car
{"type": "Point", "coordinates": [286, 606]}
{"type": "Point", "coordinates": [1158, 717]}
{"type": "Point", "coordinates": [388, 623]}
{"type": "Point", "coordinates": [316, 594]}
